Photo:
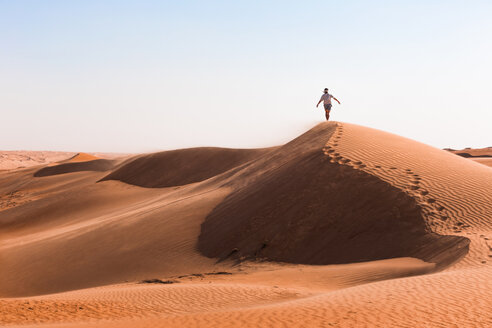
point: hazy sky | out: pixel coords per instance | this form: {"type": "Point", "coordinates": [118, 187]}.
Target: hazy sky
{"type": "Point", "coordinates": [135, 76]}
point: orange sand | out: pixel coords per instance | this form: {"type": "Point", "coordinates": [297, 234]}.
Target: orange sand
{"type": "Point", "coordinates": [10, 160]}
{"type": "Point", "coordinates": [473, 152]}
{"type": "Point", "coordinates": [77, 238]}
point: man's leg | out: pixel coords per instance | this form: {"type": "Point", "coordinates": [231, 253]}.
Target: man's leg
{"type": "Point", "coordinates": [327, 113]}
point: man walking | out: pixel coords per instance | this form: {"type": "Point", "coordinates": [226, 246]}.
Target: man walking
{"type": "Point", "coordinates": [326, 99]}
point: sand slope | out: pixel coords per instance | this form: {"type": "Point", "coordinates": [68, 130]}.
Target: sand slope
{"type": "Point", "coordinates": [479, 155]}
{"type": "Point", "coordinates": [303, 210]}
{"type": "Point", "coordinates": [484, 161]}
{"type": "Point", "coordinates": [337, 194]}
{"type": "Point", "coordinates": [473, 152]}
{"type": "Point", "coordinates": [181, 167]}
{"type": "Point", "coordinates": [454, 192]}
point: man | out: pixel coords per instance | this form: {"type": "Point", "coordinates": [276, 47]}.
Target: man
{"type": "Point", "coordinates": [326, 99]}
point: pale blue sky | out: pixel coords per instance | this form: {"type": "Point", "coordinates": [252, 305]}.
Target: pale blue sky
{"type": "Point", "coordinates": [136, 76]}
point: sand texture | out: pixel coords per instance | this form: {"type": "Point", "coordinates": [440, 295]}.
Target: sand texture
{"type": "Point", "coordinates": [344, 226]}
{"type": "Point", "coordinates": [21, 159]}
{"type": "Point", "coordinates": [473, 152]}
{"type": "Point", "coordinates": [479, 155]}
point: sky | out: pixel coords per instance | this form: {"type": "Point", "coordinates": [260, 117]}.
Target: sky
{"type": "Point", "coordinates": [140, 76]}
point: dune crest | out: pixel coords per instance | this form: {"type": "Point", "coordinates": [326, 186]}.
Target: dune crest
{"type": "Point", "coordinates": [453, 192]}
{"type": "Point", "coordinates": [182, 166]}
{"type": "Point", "coordinates": [251, 237]}
{"type": "Point", "coordinates": [313, 209]}
{"type": "Point", "coordinates": [82, 157]}
{"type": "Point", "coordinates": [78, 163]}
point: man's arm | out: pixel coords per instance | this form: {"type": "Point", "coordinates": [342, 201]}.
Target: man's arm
{"type": "Point", "coordinates": [320, 100]}
{"type": "Point", "coordinates": [336, 100]}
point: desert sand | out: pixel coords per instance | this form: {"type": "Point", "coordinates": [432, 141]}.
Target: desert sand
{"type": "Point", "coordinates": [479, 155]}
{"type": "Point", "coordinates": [18, 159]}
{"type": "Point", "coordinates": [344, 226]}
{"type": "Point", "coordinates": [21, 159]}
{"type": "Point", "coordinates": [472, 152]}
{"type": "Point", "coordinates": [484, 161]}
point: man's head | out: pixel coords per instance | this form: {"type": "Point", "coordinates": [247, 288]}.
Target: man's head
{"type": "Point", "coordinates": [326, 90]}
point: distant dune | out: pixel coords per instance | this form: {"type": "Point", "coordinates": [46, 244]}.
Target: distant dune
{"type": "Point", "coordinates": [82, 157]}
{"type": "Point", "coordinates": [472, 152]}
{"type": "Point", "coordinates": [15, 159]}
{"type": "Point", "coordinates": [339, 227]}
{"type": "Point", "coordinates": [21, 159]}
{"type": "Point", "coordinates": [479, 155]}
{"type": "Point", "coordinates": [78, 163]}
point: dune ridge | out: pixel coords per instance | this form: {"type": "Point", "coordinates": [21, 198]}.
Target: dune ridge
{"type": "Point", "coordinates": [452, 191]}
{"type": "Point", "coordinates": [182, 166]}
{"type": "Point", "coordinates": [278, 215]}
{"type": "Point", "coordinates": [99, 165]}
{"type": "Point", "coordinates": [82, 157]}
{"type": "Point", "coordinates": [74, 246]}
{"type": "Point", "coordinates": [472, 152]}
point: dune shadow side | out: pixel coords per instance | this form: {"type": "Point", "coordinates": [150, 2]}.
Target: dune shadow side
{"type": "Point", "coordinates": [182, 166]}
{"type": "Point", "coordinates": [313, 211]}
{"type": "Point", "coordinates": [98, 165]}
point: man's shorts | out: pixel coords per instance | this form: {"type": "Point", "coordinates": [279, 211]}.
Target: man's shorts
{"type": "Point", "coordinates": [327, 106]}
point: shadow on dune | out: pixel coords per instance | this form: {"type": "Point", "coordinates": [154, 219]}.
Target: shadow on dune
{"type": "Point", "coordinates": [98, 165]}
{"type": "Point", "coordinates": [306, 209]}
{"type": "Point", "coordinates": [467, 155]}
{"type": "Point", "coordinates": [182, 166]}
{"type": "Point", "coordinates": [291, 204]}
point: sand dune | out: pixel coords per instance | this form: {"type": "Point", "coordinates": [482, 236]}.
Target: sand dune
{"type": "Point", "coordinates": [99, 165]}
{"type": "Point", "coordinates": [236, 233]}
{"type": "Point", "coordinates": [10, 160]}
{"type": "Point", "coordinates": [297, 213]}
{"type": "Point", "coordinates": [82, 157]}
{"type": "Point", "coordinates": [484, 161]}
{"type": "Point", "coordinates": [473, 152]}
{"type": "Point", "coordinates": [479, 155]}
{"type": "Point", "coordinates": [181, 167]}
{"type": "Point", "coordinates": [453, 192]}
